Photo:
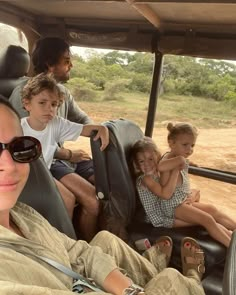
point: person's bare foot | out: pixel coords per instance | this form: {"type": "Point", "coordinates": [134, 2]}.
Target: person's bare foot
{"type": "Point", "coordinates": [192, 257]}
{"type": "Point", "coordinates": [165, 246]}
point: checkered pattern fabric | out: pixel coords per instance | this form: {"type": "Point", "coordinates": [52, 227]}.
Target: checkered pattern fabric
{"type": "Point", "coordinates": [160, 212]}
{"type": "Point", "coordinates": [152, 205]}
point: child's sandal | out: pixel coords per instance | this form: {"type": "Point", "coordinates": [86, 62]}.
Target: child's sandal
{"type": "Point", "coordinates": [165, 246]}
{"type": "Point", "coordinates": [192, 259]}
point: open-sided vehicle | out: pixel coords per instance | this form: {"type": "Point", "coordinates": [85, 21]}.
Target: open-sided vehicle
{"type": "Point", "coordinates": [194, 28]}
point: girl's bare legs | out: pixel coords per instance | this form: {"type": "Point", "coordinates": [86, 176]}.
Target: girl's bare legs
{"type": "Point", "coordinates": [181, 223]}
{"type": "Point", "coordinates": [194, 215]}
{"type": "Point", "coordinates": [67, 196]}
{"type": "Point", "coordinates": [228, 232]}
{"type": "Point", "coordinates": [220, 217]}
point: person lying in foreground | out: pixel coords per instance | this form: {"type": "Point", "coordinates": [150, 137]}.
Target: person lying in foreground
{"type": "Point", "coordinates": [114, 266]}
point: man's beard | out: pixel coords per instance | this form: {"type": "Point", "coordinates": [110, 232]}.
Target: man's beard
{"type": "Point", "coordinates": [62, 78]}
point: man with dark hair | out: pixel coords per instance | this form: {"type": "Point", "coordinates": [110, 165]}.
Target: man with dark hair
{"type": "Point", "coordinates": [51, 55]}
{"type": "Point", "coordinates": [44, 57]}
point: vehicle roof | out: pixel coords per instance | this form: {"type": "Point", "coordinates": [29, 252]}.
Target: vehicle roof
{"type": "Point", "coordinates": [196, 28]}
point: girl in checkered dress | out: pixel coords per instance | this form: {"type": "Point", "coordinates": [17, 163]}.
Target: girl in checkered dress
{"type": "Point", "coordinates": [164, 189]}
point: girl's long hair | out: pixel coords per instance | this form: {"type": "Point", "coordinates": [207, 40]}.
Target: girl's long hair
{"type": "Point", "coordinates": [141, 146]}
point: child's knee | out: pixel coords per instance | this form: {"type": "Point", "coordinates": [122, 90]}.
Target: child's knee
{"type": "Point", "coordinates": [92, 208]}
{"type": "Point", "coordinates": [207, 220]}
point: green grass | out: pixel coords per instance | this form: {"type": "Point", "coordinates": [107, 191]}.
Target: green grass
{"type": "Point", "coordinates": [205, 113]}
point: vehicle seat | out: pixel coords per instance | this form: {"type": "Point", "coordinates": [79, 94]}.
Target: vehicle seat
{"type": "Point", "coordinates": [113, 181]}
{"type": "Point", "coordinates": [114, 188]}
{"type": "Point", "coordinates": [41, 193]}
{"type": "Point", "coordinates": [14, 66]}
{"type": "Point", "coordinates": [229, 282]}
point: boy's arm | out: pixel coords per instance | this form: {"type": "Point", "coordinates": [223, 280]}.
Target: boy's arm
{"type": "Point", "coordinates": [102, 133]}
{"type": "Point", "coordinates": [74, 156]}
{"type": "Point", "coordinates": [163, 191]}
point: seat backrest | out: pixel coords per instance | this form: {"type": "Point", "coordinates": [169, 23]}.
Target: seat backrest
{"type": "Point", "coordinates": [14, 66]}
{"type": "Point", "coordinates": [42, 194]}
{"type": "Point", "coordinates": [113, 180]}
{"type": "Point", "coordinates": [229, 281]}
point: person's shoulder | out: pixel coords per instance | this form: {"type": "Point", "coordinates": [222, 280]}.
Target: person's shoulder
{"type": "Point", "coordinates": [24, 121]}
{"type": "Point", "coordinates": [27, 211]}
{"type": "Point", "coordinates": [21, 84]}
{"type": "Point", "coordinates": [57, 120]}
{"type": "Point", "coordinates": [165, 156]}
{"type": "Point", "coordinates": [63, 88]}
{"type": "Point", "coordinates": [66, 92]}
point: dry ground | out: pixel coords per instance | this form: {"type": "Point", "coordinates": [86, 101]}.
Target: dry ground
{"type": "Point", "coordinates": [215, 148]}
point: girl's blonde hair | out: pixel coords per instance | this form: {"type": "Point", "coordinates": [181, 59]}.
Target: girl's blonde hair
{"type": "Point", "coordinates": [181, 128]}
{"type": "Point", "coordinates": [140, 146]}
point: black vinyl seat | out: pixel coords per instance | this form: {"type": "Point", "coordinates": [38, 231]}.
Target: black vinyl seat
{"type": "Point", "coordinates": [121, 206]}
{"type": "Point", "coordinates": [14, 66]}
{"type": "Point", "coordinates": [41, 193]}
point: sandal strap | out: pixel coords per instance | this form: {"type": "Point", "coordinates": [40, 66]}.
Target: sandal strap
{"type": "Point", "coordinates": [201, 269]}
{"type": "Point", "coordinates": [199, 255]}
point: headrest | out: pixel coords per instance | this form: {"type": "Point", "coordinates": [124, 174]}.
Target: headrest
{"type": "Point", "coordinates": [14, 62]}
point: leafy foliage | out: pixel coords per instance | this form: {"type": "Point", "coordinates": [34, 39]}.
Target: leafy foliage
{"type": "Point", "coordinates": [82, 89]}
{"type": "Point", "coordinates": [122, 71]}
{"type": "Point", "coordinates": [113, 89]}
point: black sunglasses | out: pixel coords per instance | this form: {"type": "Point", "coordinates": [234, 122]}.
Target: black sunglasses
{"type": "Point", "coordinates": [24, 149]}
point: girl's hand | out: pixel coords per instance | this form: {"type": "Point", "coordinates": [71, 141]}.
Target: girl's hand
{"type": "Point", "coordinates": [103, 134]}
{"type": "Point", "coordinates": [193, 164]}
{"type": "Point", "coordinates": [194, 196]}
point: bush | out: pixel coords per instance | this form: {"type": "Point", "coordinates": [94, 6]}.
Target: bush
{"type": "Point", "coordinates": [230, 96]}
{"type": "Point", "coordinates": [230, 99]}
{"type": "Point", "coordinates": [169, 86]}
{"type": "Point", "coordinates": [82, 90]}
{"type": "Point", "coordinates": [114, 88]}
{"type": "Point", "coordinates": [141, 83]}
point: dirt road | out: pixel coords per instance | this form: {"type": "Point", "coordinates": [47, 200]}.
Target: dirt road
{"type": "Point", "coordinates": [215, 148]}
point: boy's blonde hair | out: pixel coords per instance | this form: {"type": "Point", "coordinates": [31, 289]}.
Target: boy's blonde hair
{"type": "Point", "coordinates": [140, 146]}
{"type": "Point", "coordinates": [40, 83]}
{"type": "Point", "coordinates": [181, 128]}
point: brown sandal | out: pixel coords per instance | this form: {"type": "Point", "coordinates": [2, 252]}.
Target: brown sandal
{"type": "Point", "coordinates": [165, 246]}
{"type": "Point", "coordinates": [192, 259]}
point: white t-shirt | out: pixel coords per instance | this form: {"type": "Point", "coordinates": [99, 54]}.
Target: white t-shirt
{"type": "Point", "coordinates": [58, 129]}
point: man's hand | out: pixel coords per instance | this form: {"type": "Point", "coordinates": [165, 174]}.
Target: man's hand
{"type": "Point", "coordinates": [79, 155]}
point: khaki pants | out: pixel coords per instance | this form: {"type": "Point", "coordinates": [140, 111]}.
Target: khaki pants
{"type": "Point", "coordinates": [150, 272]}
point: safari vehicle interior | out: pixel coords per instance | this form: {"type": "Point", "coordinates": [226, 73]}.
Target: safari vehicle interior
{"type": "Point", "coordinates": [191, 28]}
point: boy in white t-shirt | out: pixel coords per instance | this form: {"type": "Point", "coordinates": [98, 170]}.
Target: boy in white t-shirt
{"type": "Point", "coordinates": [41, 97]}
